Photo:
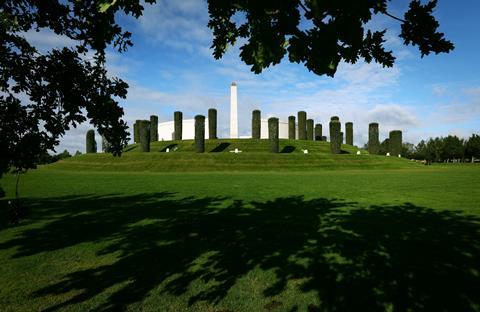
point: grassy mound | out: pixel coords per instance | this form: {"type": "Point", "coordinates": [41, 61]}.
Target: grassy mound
{"type": "Point", "coordinates": [254, 156]}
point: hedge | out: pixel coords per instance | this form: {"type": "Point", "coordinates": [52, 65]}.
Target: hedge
{"type": "Point", "coordinates": [395, 143]}
{"type": "Point", "coordinates": [153, 128]}
{"type": "Point", "coordinates": [256, 115]}
{"type": "Point", "coordinates": [302, 125]}
{"type": "Point", "coordinates": [273, 135]}
{"type": "Point", "coordinates": [335, 143]}
{"type": "Point", "coordinates": [200, 134]}
{"type": "Point", "coordinates": [349, 133]}
{"type": "Point", "coordinates": [212, 123]}
{"type": "Point", "coordinates": [310, 129]}
{"type": "Point", "coordinates": [144, 135]}
{"type": "Point", "coordinates": [318, 132]}
{"type": "Point", "coordinates": [373, 140]}
{"type": "Point", "coordinates": [91, 144]}
{"type": "Point", "coordinates": [291, 127]}
{"type": "Point", "coordinates": [177, 120]}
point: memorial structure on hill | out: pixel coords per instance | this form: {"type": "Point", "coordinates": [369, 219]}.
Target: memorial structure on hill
{"type": "Point", "coordinates": [166, 129]}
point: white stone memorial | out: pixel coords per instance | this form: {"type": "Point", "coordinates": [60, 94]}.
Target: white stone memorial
{"type": "Point", "coordinates": [233, 112]}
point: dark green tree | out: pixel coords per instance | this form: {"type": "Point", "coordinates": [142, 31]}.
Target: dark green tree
{"type": "Point", "coordinates": [336, 31]}
{"type": "Point", "coordinates": [472, 147]}
{"type": "Point", "coordinates": [453, 148]}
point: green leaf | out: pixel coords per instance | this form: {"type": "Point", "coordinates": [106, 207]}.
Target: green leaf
{"type": "Point", "coordinates": [103, 7]}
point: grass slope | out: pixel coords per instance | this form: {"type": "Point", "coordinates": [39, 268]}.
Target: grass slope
{"type": "Point", "coordinates": [254, 156]}
{"type": "Point", "coordinates": [317, 240]}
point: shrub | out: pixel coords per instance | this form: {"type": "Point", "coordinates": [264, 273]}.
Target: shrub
{"type": "Point", "coordinates": [324, 138]}
{"type": "Point", "coordinates": [212, 123]}
{"type": "Point", "coordinates": [318, 132]}
{"type": "Point", "coordinates": [302, 125]}
{"type": "Point", "coordinates": [153, 128]}
{"type": "Point", "coordinates": [273, 135]}
{"type": "Point", "coordinates": [349, 133]}
{"type": "Point", "coordinates": [200, 134]}
{"type": "Point", "coordinates": [144, 135]}
{"type": "Point", "coordinates": [335, 118]}
{"type": "Point", "coordinates": [291, 127]}
{"type": "Point", "coordinates": [310, 129]}
{"type": "Point", "coordinates": [395, 142]}
{"type": "Point", "coordinates": [91, 144]}
{"type": "Point", "coordinates": [177, 120]}
{"type": "Point", "coordinates": [373, 139]}
{"type": "Point", "coordinates": [256, 115]}
{"type": "Point", "coordinates": [335, 143]}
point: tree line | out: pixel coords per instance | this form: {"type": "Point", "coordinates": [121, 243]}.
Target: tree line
{"type": "Point", "coordinates": [441, 149]}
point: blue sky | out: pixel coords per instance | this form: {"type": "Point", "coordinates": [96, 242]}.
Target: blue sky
{"type": "Point", "coordinates": [170, 67]}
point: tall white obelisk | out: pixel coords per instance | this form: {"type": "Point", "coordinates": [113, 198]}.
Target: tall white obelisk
{"type": "Point", "coordinates": [233, 112]}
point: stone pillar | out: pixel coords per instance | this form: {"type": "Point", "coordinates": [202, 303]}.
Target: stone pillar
{"type": "Point", "coordinates": [256, 124]}
{"type": "Point", "coordinates": [335, 143]}
{"type": "Point", "coordinates": [318, 132]}
{"type": "Point", "coordinates": [349, 133]}
{"type": "Point", "coordinates": [144, 135]}
{"type": "Point", "coordinates": [273, 134]}
{"type": "Point", "coordinates": [291, 127]}
{"type": "Point", "coordinates": [373, 139]}
{"type": "Point", "coordinates": [91, 147]}
{"type": "Point", "coordinates": [310, 129]}
{"type": "Point", "coordinates": [153, 128]}
{"type": "Point", "coordinates": [212, 124]}
{"type": "Point", "coordinates": [302, 125]}
{"type": "Point", "coordinates": [178, 120]}
{"type": "Point", "coordinates": [200, 134]}
{"type": "Point", "coordinates": [395, 143]}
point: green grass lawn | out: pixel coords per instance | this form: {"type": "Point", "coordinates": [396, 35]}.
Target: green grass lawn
{"type": "Point", "coordinates": [402, 237]}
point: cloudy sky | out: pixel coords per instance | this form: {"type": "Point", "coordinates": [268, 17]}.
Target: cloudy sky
{"type": "Point", "coordinates": [171, 67]}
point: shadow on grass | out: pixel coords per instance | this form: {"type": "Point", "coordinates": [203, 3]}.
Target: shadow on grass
{"type": "Point", "coordinates": [170, 147]}
{"type": "Point", "coordinates": [401, 257]}
{"type": "Point", "coordinates": [287, 149]}
{"type": "Point", "coordinates": [220, 148]}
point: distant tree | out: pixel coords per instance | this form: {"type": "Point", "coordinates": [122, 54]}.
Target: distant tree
{"type": "Point", "coordinates": [421, 150]}
{"type": "Point", "coordinates": [452, 148]}
{"type": "Point", "coordinates": [408, 150]}
{"type": "Point", "coordinates": [77, 153]}
{"type": "Point", "coordinates": [337, 31]}
{"type": "Point", "coordinates": [384, 147]}
{"type": "Point", "coordinates": [434, 150]}
{"type": "Point", "coordinates": [472, 146]}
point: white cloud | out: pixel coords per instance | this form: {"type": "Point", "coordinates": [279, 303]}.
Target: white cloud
{"type": "Point", "coordinates": [177, 24]}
